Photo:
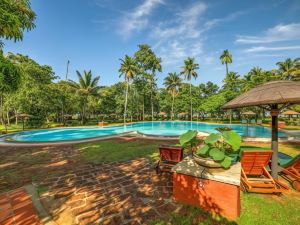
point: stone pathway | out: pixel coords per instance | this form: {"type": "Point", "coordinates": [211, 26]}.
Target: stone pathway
{"type": "Point", "coordinates": [110, 193]}
{"type": "Point", "coordinates": [16, 208]}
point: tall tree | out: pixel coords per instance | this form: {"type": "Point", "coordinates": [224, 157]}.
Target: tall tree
{"type": "Point", "coordinates": [226, 58]}
{"type": "Point", "coordinates": [15, 17]}
{"type": "Point", "coordinates": [128, 69]}
{"type": "Point", "coordinates": [173, 83]}
{"type": "Point", "coordinates": [10, 77]}
{"type": "Point", "coordinates": [208, 89]}
{"type": "Point", "coordinates": [232, 82]}
{"type": "Point", "coordinates": [289, 69]}
{"type": "Point", "coordinates": [189, 70]}
{"type": "Point", "coordinates": [148, 64]}
{"type": "Point", "coordinates": [86, 86]}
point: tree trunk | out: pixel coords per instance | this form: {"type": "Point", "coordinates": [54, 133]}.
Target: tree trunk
{"type": "Point", "coordinates": [125, 104]}
{"type": "Point", "coordinates": [274, 163]}
{"type": "Point", "coordinates": [226, 69]}
{"type": "Point", "coordinates": [191, 100]}
{"type": "Point", "coordinates": [143, 107]}
{"type": "Point", "coordinates": [16, 116]}
{"type": "Point", "coordinates": [151, 107]}
{"type": "Point", "coordinates": [172, 116]}
{"type": "Point", "coordinates": [2, 112]}
{"type": "Point", "coordinates": [7, 116]}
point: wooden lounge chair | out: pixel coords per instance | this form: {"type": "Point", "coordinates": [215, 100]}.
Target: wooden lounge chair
{"type": "Point", "coordinates": [259, 122]}
{"type": "Point", "coordinates": [255, 177]}
{"type": "Point", "coordinates": [292, 170]}
{"type": "Point", "coordinates": [169, 156]}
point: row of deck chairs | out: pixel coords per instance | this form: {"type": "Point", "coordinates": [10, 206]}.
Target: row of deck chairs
{"type": "Point", "coordinates": [254, 178]}
{"type": "Point", "coordinates": [253, 121]}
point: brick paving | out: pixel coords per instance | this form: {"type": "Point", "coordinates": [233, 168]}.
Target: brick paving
{"type": "Point", "coordinates": [16, 208]}
{"type": "Point", "coordinates": [112, 193]}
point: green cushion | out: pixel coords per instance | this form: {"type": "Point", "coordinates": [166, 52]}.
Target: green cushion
{"type": "Point", "coordinates": [290, 162]}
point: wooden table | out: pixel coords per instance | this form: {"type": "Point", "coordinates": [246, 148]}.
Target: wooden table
{"type": "Point", "coordinates": [214, 190]}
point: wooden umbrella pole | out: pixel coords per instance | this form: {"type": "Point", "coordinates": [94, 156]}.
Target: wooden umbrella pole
{"type": "Point", "coordinates": [274, 113]}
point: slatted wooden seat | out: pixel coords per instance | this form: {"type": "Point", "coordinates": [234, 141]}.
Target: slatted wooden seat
{"type": "Point", "coordinates": [292, 169]}
{"type": "Point", "coordinates": [169, 156]}
{"type": "Point", "coordinates": [255, 177]}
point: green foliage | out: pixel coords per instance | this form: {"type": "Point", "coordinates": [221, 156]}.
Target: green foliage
{"type": "Point", "coordinates": [218, 145]}
{"type": "Point", "coordinates": [203, 151]}
{"type": "Point", "coordinates": [233, 139]}
{"type": "Point", "coordinates": [212, 138]}
{"type": "Point", "coordinates": [188, 138]}
{"type": "Point", "coordinates": [15, 17]}
{"type": "Point", "coordinates": [216, 154]}
{"type": "Point", "coordinates": [10, 74]}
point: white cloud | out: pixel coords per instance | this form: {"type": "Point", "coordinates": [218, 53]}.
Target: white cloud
{"type": "Point", "coordinates": [268, 49]}
{"type": "Point", "coordinates": [184, 35]}
{"type": "Point", "coordinates": [184, 25]}
{"type": "Point", "coordinates": [280, 32]}
{"type": "Point", "coordinates": [214, 22]}
{"type": "Point", "coordinates": [137, 19]}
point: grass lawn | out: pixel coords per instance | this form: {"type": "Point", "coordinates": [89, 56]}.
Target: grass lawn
{"type": "Point", "coordinates": [123, 150]}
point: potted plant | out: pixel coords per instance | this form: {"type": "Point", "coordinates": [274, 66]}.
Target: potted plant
{"type": "Point", "coordinates": [189, 140]}
{"type": "Point", "coordinates": [219, 149]}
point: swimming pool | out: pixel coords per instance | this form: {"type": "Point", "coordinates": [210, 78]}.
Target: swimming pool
{"type": "Point", "coordinates": [163, 128]}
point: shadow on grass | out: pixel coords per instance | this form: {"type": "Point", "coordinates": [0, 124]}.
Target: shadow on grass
{"type": "Point", "coordinates": [189, 215]}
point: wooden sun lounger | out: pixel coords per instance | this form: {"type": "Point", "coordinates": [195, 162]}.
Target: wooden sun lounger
{"type": "Point", "coordinates": [292, 169]}
{"type": "Point", "coordinates": [169, 156]}
{"type": "Point", "coordinates": [255, 177]}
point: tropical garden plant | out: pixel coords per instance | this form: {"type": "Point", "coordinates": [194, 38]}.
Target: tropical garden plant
{"type": "Point", "coordinates": [219, 147]}
{"type": "Point", "coordinates": [226, 58]}
{"type": "Point", "coordinates": [128, 69]}
{"type": "Point", "coordinates": [189, 140]}
{"type": "Point", "coordinates": [87, 86]}
{"type": "Point", "coordinates": [189, 70]}
{"type": "Point", "coordinates": [173, 83]}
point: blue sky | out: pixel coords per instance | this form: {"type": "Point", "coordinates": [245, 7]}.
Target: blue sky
{"type": "Point", "coordinates": [94, 34]}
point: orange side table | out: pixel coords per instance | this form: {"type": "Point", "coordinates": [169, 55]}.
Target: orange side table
{"type": "Point", "coordinates": [214, 190]}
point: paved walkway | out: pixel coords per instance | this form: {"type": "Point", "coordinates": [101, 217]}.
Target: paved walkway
{"type": "Point", "coordinates": [110, 193]}
{"type": "Point", "coordinates": [16, 208]}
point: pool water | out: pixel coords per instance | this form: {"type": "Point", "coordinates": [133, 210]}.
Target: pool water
{"type": "Point", "coordinates": [163, 128]}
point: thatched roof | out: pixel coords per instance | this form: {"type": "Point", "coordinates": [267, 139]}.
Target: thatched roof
{"type": "Point", "coordinates": [24, 115]}
{"type": "Point", "coordinates": [276, 92]}
{"type": "Point", "coordinates": [250, 113]}
{"type": "Point", "coordinates": [290, 112]}
{"type": "Point", "coordinates": [162, 114]}
{"type": "Point", "coordinates": [182, 114]}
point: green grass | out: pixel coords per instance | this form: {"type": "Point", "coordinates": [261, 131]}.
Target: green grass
{"type": "Point", "coordinates": [256, 209]}
{"type": "Point", "coordinates": [108, 151]}
{"type": "Point", "coordinates": [269, 209]}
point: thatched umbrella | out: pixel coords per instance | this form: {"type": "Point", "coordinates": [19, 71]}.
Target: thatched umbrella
{"type": "Point", "coordinates": [273, 96]}
{"type": "Point", "coordinates": [162, 114]}
{"type": "Point", "coordinates": [182, 114]}
{"type": "Point", "coordinates": [290, 113]}
{"type": "Point", "coordinates": [23, 116]}
{"type": "Point", "coordinates": [249, 113]}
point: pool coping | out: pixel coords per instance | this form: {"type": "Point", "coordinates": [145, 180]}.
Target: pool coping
{"type": "Point", "coordinates": [4, 142]}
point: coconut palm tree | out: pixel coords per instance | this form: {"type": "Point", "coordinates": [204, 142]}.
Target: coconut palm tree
{"type": "Point", "coordinates": [173, 83]}
{"type": "Point", "coordinates": [86, 86]}
{"type": "Point", "coordinates": [128, 69]}
{"type": "Point", "coordinates": [189, 71]}
{"type": "Point", "coordinates": [232, 82]}
{"type": "Point", "coordinates": [289, 69]}
{"type": "Point", "coordinates": [226, 58]}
